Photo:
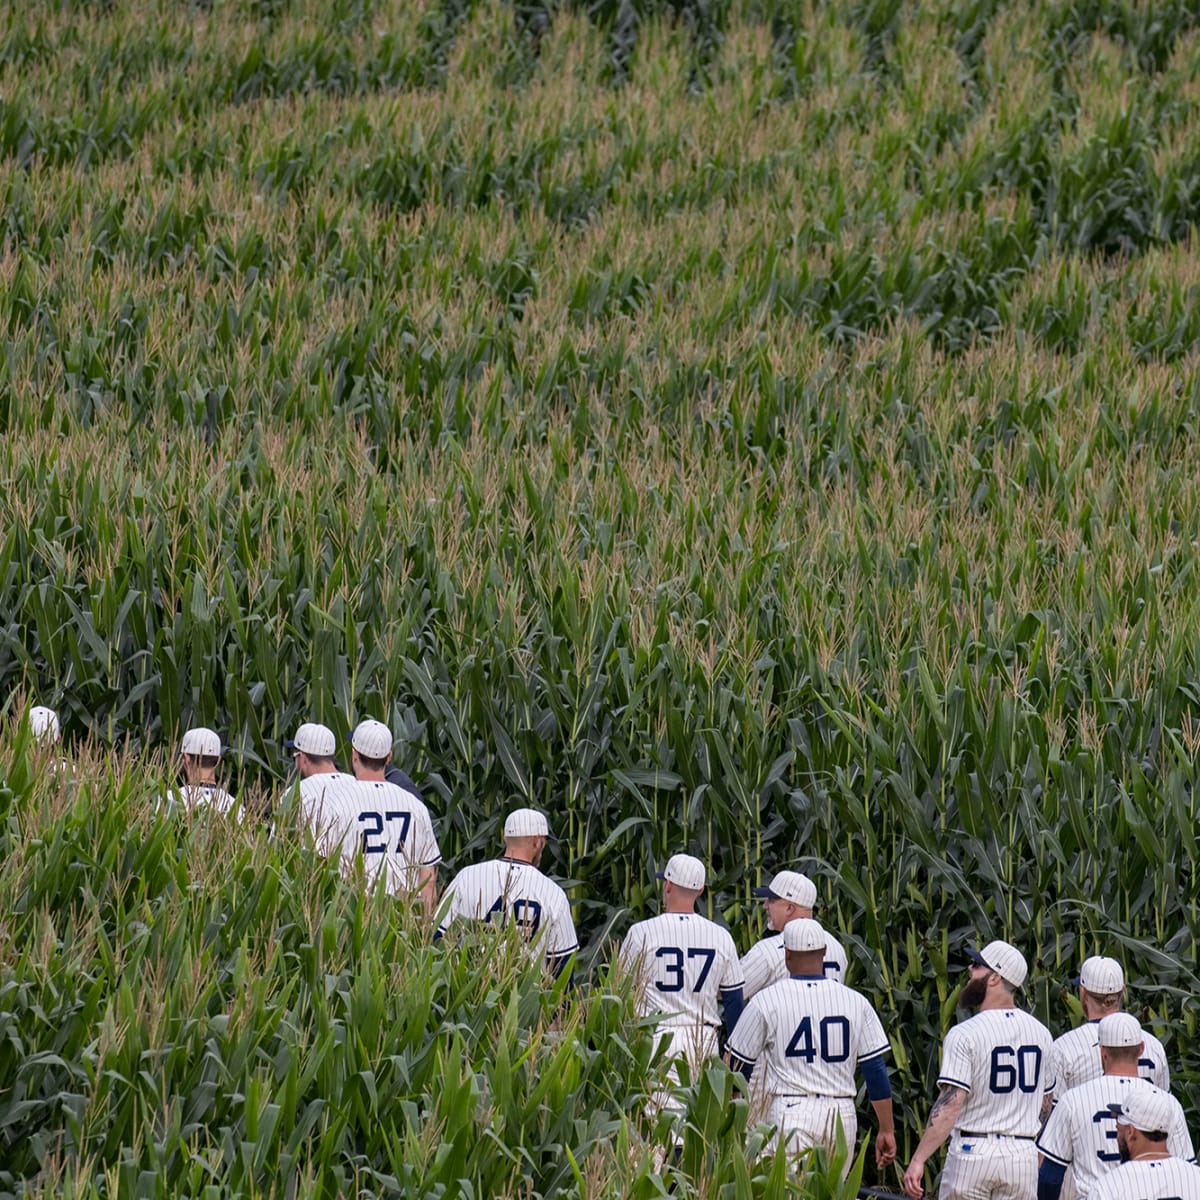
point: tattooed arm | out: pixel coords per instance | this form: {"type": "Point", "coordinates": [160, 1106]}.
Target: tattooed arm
{"type": "Point", "coordinates": [942, 1118]}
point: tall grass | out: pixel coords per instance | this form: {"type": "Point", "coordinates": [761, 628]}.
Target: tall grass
{"type": "Point", "coordinates": [766, 430]}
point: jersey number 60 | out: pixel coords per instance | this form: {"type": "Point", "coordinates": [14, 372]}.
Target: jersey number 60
{"type": "Point", "coordinates": [1023, 1073]}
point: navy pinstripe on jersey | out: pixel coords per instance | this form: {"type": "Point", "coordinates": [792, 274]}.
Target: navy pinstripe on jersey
{"type": "Point", "coordinates": [193, 796]}
{"type": "Point", "coordinates": [1081, 1132]}
{"type": "Point", "coordinates": [1076, 1059]}
{"type": "Point", "coordinates": [504, 889]}
{"type": "Point", "coordinates": [1001, 1059]}
{"type": "Point", "coordinates": [1150, 1179]}
{"type": "Point", "coordinates": [808, 1035]}
{"type": "Point", "coordinates": [382, 825]}
{"type": "Point", "coordinates": [765, 963]}
{"type": "Point", "coordinates": [683, 962]}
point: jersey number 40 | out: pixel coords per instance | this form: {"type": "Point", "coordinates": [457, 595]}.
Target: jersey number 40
{"type": "Point", "coordinates": [833, 1037]}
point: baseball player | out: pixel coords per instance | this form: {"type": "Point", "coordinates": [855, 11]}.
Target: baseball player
{"type": "Point", "coordinates": [1077, 1054]}
{"type": "Point", "coordinates": [512, 889]}
{"type": "Point", "coordinates": [683, 964]}
{"type": "Point", "coordinates": [395, 826]}
{"type": "Point", "coordinates": [804, 1036]}
{"type": "Point", "coordinates": [787, 897]}
{"type": "Point", "coordinates": [995, 1086]}
{"type": "Point", "coordinates": [328, 798]}
{"type": "Point", "coordinates": [1148, 1170]}
{"type": "Point", "coordinates": [201, 752]}
{"type": "Point", "coordinates": [1081, 1132]}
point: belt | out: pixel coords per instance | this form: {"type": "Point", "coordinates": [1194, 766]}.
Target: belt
{"type": "Point", "coordinates": [975, 1136]}
{"type": "Point", "coordinates": [809, 1096]}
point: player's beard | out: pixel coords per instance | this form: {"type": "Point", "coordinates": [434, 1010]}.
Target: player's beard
{"type": "Point", "coordinates": [1123, 1146]}
{"type": "Point", "coordinates": [973, 992]}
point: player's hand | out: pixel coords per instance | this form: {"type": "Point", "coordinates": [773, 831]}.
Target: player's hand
{"type": "Point", "coordinates": [885, 1149]}
{"type": "Point", "coordinates": [914, 1180]}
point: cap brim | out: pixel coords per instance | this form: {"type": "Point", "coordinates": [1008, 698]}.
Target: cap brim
{"type": "Point", "coordinates": [979, 960]}
{"type": "Point", "coordinates": [1076, 981]}
{"type": "Point", "coordinates": [765, 893]}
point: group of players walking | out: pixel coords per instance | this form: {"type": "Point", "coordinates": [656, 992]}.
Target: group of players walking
{"type": "Point", "coordinates": [1028, 1117]}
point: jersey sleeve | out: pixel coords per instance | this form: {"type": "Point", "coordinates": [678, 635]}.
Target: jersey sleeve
{"type": "Point", "coordinates": [630, 953]}
{"type": "Point", "coordinates": [956, 1069]}
{"type": "Point", "coordinates": [731, 975]}
{"type": "Point", "coordinates": [1055, 1140]}
{"type": "Point", "coordinates": [756, 967]}
{"type": "Point", "coordinates": [560, 936]}
{"type": "Point", "coordinates": [872, 1040]}
{"type": "Point", "coordinates": [425, 849]}
{"type": "Point", "coordinates": [749, 1037]}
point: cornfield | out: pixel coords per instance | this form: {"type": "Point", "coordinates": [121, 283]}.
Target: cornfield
{"type": "Point", "coordinates": [761, 429]}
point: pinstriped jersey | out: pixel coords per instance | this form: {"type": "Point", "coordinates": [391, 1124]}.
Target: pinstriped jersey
{"type": "Point", "coordinates": [389, 828]}
{"type": "Point", "coordinates": [809, 1034]}
{"type": "Point", "coordinates": [683, 961]}
{"type": "Point", "coordinates": [192, 796]}
{"type": "Point", "coordinates": [1001, 1059]}
{"type": "Point", "coordinates": [1150, 1179]}
{"type": "Point", "coordinates": [505, 889]}
{"type": "Point", "coordinates": [765, 963]}
{"type": "Point", "coordinates": [1081, 1131]}
{"type": "Point", "coordinates": [1077, 1058]}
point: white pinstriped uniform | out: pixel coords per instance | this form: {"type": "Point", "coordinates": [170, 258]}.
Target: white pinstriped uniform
{"type": "Point", "coordinates": [191, 796]}
{"type": "Point", "coordinates": [1150, 1179]}
{"type": "Point", "coordinates": [766, 963]}
{"type": "Point", "coordinates": [683, 962]}
{"type": "Point", "coordinates": [1001, 1059]}
{"type": "Point", "coordinates": [1081, 1131]}
{"type": "Point", "coordinates": [506, 889]}
{"type": "Point", "coordinates": [806, 1037]}
{"type": "Point", "coordinates": [387, 827]}
{"type": "Point", "coordinates": [1076, 1059]}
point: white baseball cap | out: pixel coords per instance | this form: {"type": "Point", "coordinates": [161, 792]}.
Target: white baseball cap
{"type": "Point", "coordinates": [1102, 976]}
{"type": "Point", "coordinates": [1147, 1108]}
{"type": "Point", "coordinates": [526, 822]}
{"type": "Point", "coordinates": [804, 934]}
{"type": "Point", "coordinates": [43, 722]}
{"type": "Point", "coordinates": [1120, 1029]}
{"type": "Point", "coordinates": [790, 885]}
{"type": "Point", "coordinates": [372, 738]}
{"type": "Point", "coordinates": [203, 743]}
{"type": "Point", "coordinates": [1003, 958]}
{"type": "Point", "coordinates": [684, 871]}
{"type": "Point", "coordinates": [314, 739]}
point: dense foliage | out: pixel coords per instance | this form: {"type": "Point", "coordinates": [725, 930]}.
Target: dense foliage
{"type": "Point", "coordinates": [761, 428]}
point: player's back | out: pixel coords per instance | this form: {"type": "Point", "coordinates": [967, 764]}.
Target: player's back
{"type": "Point", "coordinates": [813, 1032]}
{"type": "Point", "coordinates": [1001, 1057]}
{"type": "Point", "coordinates": [509, 890]}
{"type": "Point", "coordinates": [1082, 1130]}
{"type": "Point", "coordinates": [1076, 1059]}
{"type": "Point", "coordinates": [192, 796]}
{"type": "Point", "coordinates": [1150, 1179]}
{"type": "Point", "coordinates": [765, 963]}
{"type": "Point", "coordinates": [394, 833]}
{"type": "Point", "coordinates": [683, 962]}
